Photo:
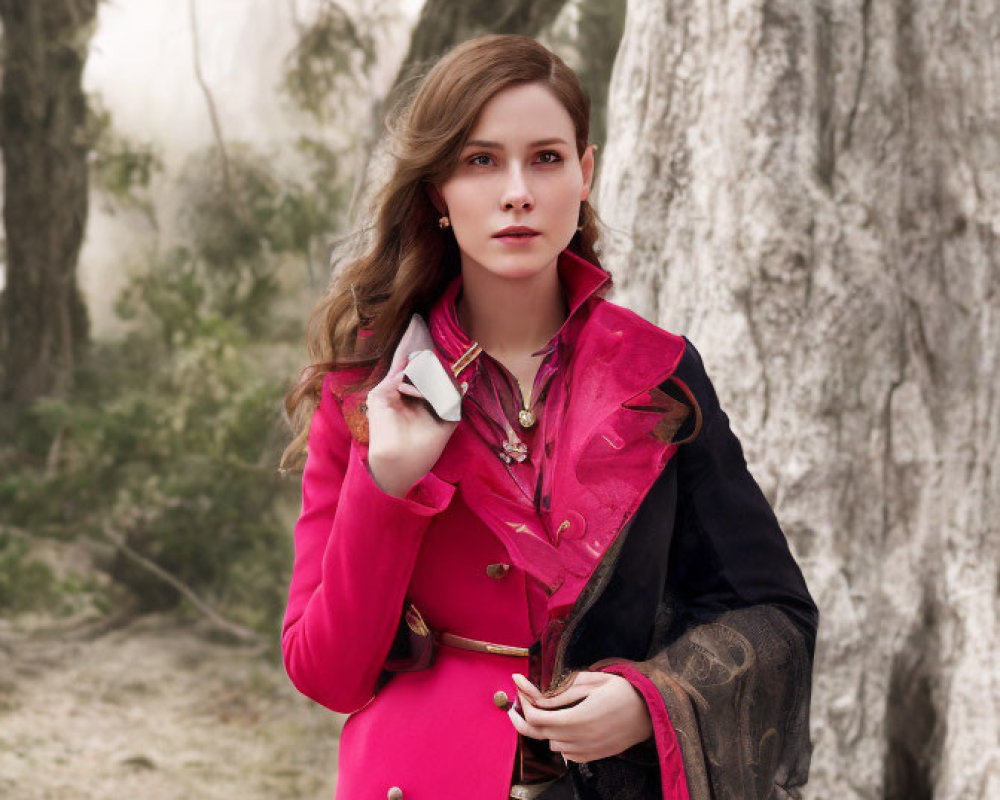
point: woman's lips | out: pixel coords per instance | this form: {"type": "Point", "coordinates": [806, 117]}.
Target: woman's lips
{"type": "Point", "coordinates": [516, 239]}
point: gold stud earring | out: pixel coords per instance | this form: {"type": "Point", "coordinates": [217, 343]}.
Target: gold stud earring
{"type": "Point", "coordinates": [444, 222]}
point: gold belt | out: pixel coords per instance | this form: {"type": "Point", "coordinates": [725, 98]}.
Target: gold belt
{"type": "Point", "coordinates": [465, 643]}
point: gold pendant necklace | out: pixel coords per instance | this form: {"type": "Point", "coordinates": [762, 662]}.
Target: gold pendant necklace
{"type": "Point", "coordinates": [525, 415]}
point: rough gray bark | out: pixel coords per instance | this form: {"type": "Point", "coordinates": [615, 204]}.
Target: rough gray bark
{"type": "Point", "coordinates": [811, 192]}
{"type": "Point", "coordinates": [445, 23]}
{"type": "Point", "coordinates": [43, 321]}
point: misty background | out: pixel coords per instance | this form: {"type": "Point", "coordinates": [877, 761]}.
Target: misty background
{"type": "Point", "coordinates": [809, 191]}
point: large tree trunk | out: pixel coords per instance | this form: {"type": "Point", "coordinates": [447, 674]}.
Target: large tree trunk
{"type": "Point", "coordinates": [445, 23]}
{"type": "Point", "coordinates": [811, 191]}
{"type": "Point", "coordinates": [599, 31]}
{"type": "Point", "coordinates": [43, 321]}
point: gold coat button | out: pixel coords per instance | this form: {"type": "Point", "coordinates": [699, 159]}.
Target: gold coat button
{"type": "Point", "coordinates": [501, 700]}
{"type": "Point", "coordinates": [497, 571]}
{"type": "Point", "coordinates": [395, 793]}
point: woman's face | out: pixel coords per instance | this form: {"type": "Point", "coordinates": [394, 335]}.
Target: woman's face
{"type": "Point", "coordinates": [518, 167]}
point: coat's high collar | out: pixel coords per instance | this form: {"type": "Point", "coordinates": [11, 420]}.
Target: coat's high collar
{"type": "Point", "coordinates": [579, 278]}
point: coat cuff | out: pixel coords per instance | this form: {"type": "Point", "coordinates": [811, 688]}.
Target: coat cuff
{"type": "Point", "coordinates": [428, 496]}
{"type": "Point", "coordinates": [668, 749]}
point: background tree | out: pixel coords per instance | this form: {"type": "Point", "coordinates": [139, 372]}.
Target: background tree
{"type": "Point", "coordinates": [811, 191]}
{"type": "Point", "coordinates": [599, 30]}
{"type": "Point", "coordinates": [43, 121]}
{"type": "Point", "coordinates": [443, 24]}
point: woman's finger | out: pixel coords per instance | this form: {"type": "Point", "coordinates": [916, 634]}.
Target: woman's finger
{"type": "Point", "coordinates": [534, 716]}
{"type": "Point", "coordinates": [384, 390]}
{"type": "Point", "coordinates": [524, 727]}
{"type": "Point", "coordinates": [554, 721]}
{"type": "Point", "coordinates": [570, 751]}
{"type": "Point", "coordinates": [561, 722]}
{"type": "Point", "coordinates": [568, 692]}
{"type": "Point", "coordinates": [586, 678]}
{"type": "Point", "coordinates": [567, 698]}
{"type": "Point", "coordinates": [409, 389]}
{"type": "Point", "coordinates": [526, 686]}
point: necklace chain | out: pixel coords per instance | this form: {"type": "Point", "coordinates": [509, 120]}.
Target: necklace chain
{"type": "Point", "coordinates": [513, 449]}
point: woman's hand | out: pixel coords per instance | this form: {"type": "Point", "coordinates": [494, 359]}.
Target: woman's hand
{"type": "Point", "coordinates": [609, 716]}
{"type": "Point", "coordinates": [405, 438]}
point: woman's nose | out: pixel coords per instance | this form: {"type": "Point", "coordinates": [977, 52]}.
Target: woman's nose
{"type": "Point", "coordinates": [516, 194]}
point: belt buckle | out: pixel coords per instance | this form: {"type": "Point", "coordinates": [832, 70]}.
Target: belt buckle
{"type": "Point", "coordinates": [529, 791]}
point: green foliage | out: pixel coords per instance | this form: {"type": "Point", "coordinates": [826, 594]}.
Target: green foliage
{"type": "Point", "coordinates": [25, 584]}
{"type": "Point", "coordinates": [168, 443]}
{"type": "Point", "coordinates": [331, 54]}
{"type": "Point", "coordinates": [171, 457]}
{"type": "Point", "coordinates": [119, 167]}
{"type": "Point", "coordinates": [123, 166]}
{"type": "Point", "coordinates": [29, 584]}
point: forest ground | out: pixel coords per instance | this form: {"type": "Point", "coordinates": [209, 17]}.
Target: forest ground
{"type": "Point", "coordinates": [157, 709]}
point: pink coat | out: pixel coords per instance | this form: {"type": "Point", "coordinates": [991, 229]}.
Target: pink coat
{"type": "Point", "coordinates": [359, 553]}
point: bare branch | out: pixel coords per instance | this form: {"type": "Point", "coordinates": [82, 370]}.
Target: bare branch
{"type": "Point", "coordinates": [210, 102]}
{"type": "Point", "coordinates": [234, 629]}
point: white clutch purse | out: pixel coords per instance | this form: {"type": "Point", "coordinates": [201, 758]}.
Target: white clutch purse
{"type": "Point", "coordinates": [428, 374]}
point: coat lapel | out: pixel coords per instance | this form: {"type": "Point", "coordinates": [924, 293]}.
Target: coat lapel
{"type": "Point", "coordinates": [608, 430]}
{"type": "Point", "coordinates": [615, 436]}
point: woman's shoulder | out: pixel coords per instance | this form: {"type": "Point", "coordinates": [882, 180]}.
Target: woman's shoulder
{"type": "Point", "coordinates": [618, 317]}
{"type": "Point", "coordinates": [620, 334]}
{"type": "Point", "coordinates": [610, 314]}
{"type": "Point", "coordinates": [687, 379]}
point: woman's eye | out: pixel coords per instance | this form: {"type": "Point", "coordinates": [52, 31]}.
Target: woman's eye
{"type": "Point", "coordinates": [486, 160]}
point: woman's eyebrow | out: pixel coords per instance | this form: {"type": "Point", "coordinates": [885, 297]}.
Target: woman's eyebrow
{"type": "Point", "coordinates": [498, 146]}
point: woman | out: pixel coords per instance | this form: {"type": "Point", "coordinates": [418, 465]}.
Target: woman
{"type": "Point", "coordinates": [578, 590]}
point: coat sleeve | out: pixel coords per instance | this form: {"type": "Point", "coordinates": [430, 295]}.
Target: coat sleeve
{"type": "Point", "coordinates": [355, 549]}
{"type": "Point", "coordinates": [729, 676]}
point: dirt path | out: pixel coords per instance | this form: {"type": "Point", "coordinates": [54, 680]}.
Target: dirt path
{"type": "Point", "coordinates": [155, 711]}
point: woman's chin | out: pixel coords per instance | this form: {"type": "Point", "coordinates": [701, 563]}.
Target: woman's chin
{"type": "Point", "coordinates": [510, 266]}
{"type": "Point", "coordinates": [518, 269]}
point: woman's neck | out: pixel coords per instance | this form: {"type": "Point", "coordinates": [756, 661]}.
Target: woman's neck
{"type": "Point", "coordinates": [513, 318]}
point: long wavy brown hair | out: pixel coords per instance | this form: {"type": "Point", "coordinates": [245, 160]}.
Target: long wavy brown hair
{"type": "Point", "coordinates": [411, 260]}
